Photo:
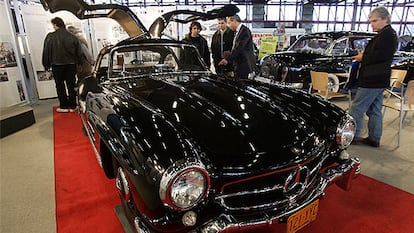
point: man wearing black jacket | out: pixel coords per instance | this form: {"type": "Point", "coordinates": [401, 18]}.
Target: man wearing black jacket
{"type": "Point", "coordinates": [374, 77]}
{"type": "Point", "coordinates": [221, 45]}
{"type": "Point", "coordinates": [242, 54]}
{"type": "Point", "coordinates": [62, 52]}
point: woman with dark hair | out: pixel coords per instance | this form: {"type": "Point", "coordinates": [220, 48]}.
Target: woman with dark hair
{"type": "Point", "coordinates": [198, 41]}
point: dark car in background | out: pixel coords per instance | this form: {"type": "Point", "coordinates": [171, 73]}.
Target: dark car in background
{"type": "Point", "coordinates": [191, 151]}
{"type": "Point", "coordinates": [326, 51]}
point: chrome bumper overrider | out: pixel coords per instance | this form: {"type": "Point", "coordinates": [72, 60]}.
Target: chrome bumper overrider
{"type": "Point", "coordinates": [341, 175]}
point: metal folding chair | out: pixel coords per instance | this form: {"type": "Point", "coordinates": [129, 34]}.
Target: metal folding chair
{"type": "Point", "coordinates": [404, 104]}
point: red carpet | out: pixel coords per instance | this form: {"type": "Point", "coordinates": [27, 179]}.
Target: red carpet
{"type": "Point", "coordinates": [85, 198]}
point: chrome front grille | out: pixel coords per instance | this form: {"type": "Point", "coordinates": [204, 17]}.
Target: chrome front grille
{"type": "Point", "coordinates": [269, 190]}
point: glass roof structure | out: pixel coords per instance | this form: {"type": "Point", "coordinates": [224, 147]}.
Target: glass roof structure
{"type": "Point", "coordinates": [327, 15]}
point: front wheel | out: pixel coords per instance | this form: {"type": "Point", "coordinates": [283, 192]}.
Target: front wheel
{"type": "Point", "coordinates": [333, 83]}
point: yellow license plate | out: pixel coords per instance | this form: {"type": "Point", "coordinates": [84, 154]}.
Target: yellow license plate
{"type": "Point", "coordinates": [303, 217]}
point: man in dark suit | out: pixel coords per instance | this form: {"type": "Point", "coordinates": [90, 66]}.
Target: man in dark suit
{"type": "Point", "coordinates": [221, 45]}
{"type": "Point", "coordinates": [242, 54]}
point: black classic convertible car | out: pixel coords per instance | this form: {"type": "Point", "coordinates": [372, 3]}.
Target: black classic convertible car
{"type": "Point", "coordinates": [323, 51]}
{"type": "Point", "coordinates": [191, 151]}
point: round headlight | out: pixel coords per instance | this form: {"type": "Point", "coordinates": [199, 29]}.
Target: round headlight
{"type": "Point", "coordinates": [188, 188]}
{"type": "Point", "coordinates": [345, 132]}
{"type": "Point", "coordinates": [184, 184]}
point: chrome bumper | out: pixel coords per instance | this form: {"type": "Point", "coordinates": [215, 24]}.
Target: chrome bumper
{"type": "Point", "coordinates": [342, 175]}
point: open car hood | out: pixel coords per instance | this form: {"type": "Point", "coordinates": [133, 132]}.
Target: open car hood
{"type": "Point", "coordinates": [161, 22]}
{"type": "Point", "coordinates": [121, 14]}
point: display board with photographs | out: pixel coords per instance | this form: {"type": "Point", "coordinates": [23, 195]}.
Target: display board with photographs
{"type": "Point", "coordinates": [12, 89]}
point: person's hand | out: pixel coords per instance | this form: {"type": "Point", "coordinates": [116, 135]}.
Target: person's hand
{"type": "Point", "coordinates": [223, 62]}
{"type": "Point", "coordinates": [226, 54]}
{"type": "Point", "coordinates": [358, 57]}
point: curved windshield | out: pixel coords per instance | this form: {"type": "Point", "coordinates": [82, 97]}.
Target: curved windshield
{"type": "Point", "coordinates": [311, 45]}
{"type": "Point", "coordinates": [154, 58]}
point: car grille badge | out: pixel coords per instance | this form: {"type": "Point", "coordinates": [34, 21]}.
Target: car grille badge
{"type": "Point", "coordinates": [296, 183]}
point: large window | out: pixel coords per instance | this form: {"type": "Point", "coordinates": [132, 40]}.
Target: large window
{"type": "Point", "coordinates": [340, 16]}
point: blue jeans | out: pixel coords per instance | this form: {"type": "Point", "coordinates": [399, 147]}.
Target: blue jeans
{"type": "Point", "coordinates": [369, 101]}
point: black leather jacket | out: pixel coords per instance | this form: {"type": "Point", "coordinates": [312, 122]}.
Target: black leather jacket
{"type": "Point", "coordinates": [61, 48]}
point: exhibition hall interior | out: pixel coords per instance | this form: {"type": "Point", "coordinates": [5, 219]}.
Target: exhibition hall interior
{"type": "Point", "coordinates": [197, 116]}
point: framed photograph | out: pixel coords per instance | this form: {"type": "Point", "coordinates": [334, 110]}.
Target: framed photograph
{"type": "Point", "coordinates": [44, 75]}
{"type": "Point", "coordinates": [3, 75]}
{"type": "Point", "coordinates": [7, 55]}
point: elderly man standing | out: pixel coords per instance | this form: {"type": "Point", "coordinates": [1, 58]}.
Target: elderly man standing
{"type": "Point", "coordinates": [221, 45]}
{"type": "Point", "coordinates": [242, 54]}
{"type": "Point", "coordinates": [62, 52]}
{"type": "Point", "coordinates": [374, 77]}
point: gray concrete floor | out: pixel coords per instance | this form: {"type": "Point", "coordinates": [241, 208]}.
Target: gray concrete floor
{"type": "Point", "coordinates": [27, 196]}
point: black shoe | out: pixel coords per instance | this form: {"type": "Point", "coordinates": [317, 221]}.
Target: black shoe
{"type": "Point", "coordinates": [357, 141]}
{"type": "Point", "coordinates": [369, 142]}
